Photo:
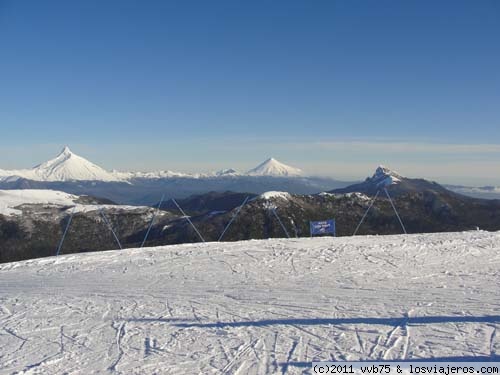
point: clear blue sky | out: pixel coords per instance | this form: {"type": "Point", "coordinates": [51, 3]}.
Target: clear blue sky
{"type": "Point", "coordinates": [334, 87]}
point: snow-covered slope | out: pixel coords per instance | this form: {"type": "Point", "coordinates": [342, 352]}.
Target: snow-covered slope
{"type": "Point", "coordinates": [255, 307]}
{"type": "Point", "coordinates": [11, 201]}
{"type": "Point", "coordinates": [272, 167]}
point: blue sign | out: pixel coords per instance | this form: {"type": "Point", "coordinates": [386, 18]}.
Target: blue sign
{"type": "Point", "coordinates": [322, 227]}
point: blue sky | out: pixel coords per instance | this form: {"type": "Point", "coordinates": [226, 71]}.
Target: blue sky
{"type": "Point", "coordinates": [333, 87]}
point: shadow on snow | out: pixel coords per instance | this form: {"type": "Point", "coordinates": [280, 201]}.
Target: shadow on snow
{"type": "Point", "coordinates": [339, 321]}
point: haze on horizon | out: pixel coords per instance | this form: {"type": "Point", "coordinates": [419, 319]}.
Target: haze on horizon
{"type": "Point", "coordinates": [334, 88]}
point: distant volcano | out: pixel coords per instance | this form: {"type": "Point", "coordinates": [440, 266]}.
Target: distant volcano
{"type": "Point", "coordinates": [272, 167]}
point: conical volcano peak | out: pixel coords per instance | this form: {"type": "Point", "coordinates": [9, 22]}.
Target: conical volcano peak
{"type": "Point", "coordinates": [272, 167]}
{"type": "Point", "coordinates": [66, 151]}
{"type": "Point", "coordinates": [68, 166]}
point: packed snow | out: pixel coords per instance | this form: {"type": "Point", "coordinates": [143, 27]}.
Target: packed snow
{"type": "Point", "coordinates": [253, 307]}
{"type": "Point", "coordinates": [272, 167]}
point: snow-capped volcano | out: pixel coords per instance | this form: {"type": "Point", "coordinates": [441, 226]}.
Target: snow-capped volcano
{"type": "Point", "coordinates": [272, 167]}
{"type": "Point", "coordinates": [66, 166]}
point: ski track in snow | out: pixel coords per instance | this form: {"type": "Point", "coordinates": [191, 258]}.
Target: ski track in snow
{"type": "Point", "coordinates": [252, 307]}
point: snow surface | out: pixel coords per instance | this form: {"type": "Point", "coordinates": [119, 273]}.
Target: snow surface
{"type": "Point", "coordinates": [253, 307]}
{"type": "Point", "coordinates": [272, 167]}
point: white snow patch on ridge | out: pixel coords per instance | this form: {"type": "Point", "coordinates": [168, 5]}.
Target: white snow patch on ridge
{"type": "Point", "coordinates": [9, 199]}
{"type": "Point", "coordinates": [275, 194]}
{"type": "Point", "coordinates": [252, 307]}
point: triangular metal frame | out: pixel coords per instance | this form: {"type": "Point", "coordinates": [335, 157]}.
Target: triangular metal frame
{"type": "Point", "coordinates": [68, 224]}
{"type": "Point", "coordinates": [152, 220]}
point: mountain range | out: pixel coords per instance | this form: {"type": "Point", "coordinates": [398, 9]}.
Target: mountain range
{"type": "Point", "coordinates": [67, 166]}
{"type": "Point", "coordinates": [32, 221]}
{"type": "Point", "coordinates": [73, 174]}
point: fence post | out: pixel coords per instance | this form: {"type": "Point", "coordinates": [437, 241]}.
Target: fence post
{"type": "Point", "coordinates": [282, 226]}
{"type": "Point", "coordinates": [110, 228]}
{"type": "Point", "coordinates": [395, 211]}
{"type": "Point", "coordinates": [188, 219]}
{"type": "Point", "coordinates": [152, 220]}
{"type": "Point", "coordinates": [232, 219]}
{"type": "Point", "coordinates": [65, 231]}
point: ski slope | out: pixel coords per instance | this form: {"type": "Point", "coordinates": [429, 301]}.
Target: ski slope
{"type": "Point", "coordinates": [253, 307]}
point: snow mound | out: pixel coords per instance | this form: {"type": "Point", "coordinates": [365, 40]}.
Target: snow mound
{"type": "Point", "coordinates": [272, 167]}
{"type": "Point", "coordinates": [275, 194]}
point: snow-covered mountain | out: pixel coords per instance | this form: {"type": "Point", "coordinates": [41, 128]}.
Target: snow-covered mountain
{"type": "Point", "coordinates": [66, 166]}
{"type": "Point", "coordinates": [272, 167]}
{"type": "Point", "coordinates": [394, 182]}
{"type": "Point", "coordinates": [384, 176]}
